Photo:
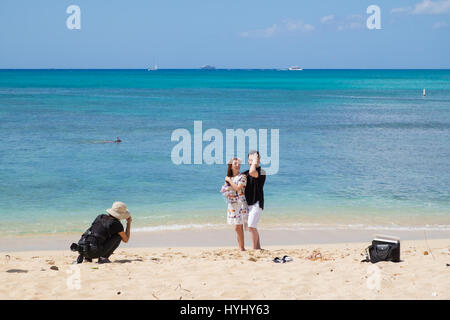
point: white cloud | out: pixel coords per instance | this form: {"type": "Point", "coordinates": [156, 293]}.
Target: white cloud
{"type": "Point", "coordinates": [326, 19]}
{"type": "Point", "coordinates": [426, 7]}
{"type": "Point", "coordinates": [401, 10]}
{"type": "Point", "coordinates": [292, 25]}
{"type": "Point", "coordinates": [308, 27]}
{"type": "Point", "coordinates": [440, 24]}
{"type": "Point", "coordinates": [351, 26]}
{"type": "Point", "coordinates": [355, 21]}
{"type": "Point", "coordinates": [357, 16]}
{"type": "Point", "coordinates": [260, 33]}
{"type": "Point", "coordinates": [398, 10]}
{"type": "Point", "coordinates": [287, 26]}
{"type": "Point", "coordinates": [430, 7]}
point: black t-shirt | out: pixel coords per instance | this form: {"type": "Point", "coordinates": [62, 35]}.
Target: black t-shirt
{"type": "Point", "coordinates": [254, 188]}
{"type": "Point", "coordinates": [105, 226]}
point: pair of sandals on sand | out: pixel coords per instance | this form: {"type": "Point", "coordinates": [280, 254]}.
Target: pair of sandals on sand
{"type": "Point", "coordinates": [282, 260]}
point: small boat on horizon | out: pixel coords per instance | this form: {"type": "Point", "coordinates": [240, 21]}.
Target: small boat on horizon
{"type": "Point", "coordinates": [295, 68]}
{"type": "Point", "coordinates": [154, 68]}
{"type": "Point", "coordinates": [208, 67]}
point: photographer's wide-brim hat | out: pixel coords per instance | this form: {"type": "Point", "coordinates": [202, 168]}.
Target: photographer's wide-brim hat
{"type": "Point", "coordinates": [119, 210]}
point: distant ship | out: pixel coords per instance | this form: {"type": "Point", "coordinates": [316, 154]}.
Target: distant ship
{"type": "Point", "coordinates": [154, 68]}
{"type": "Point", "coordinates": [295, 68]}
{"type": "Point", "coordinates": [208, 67]}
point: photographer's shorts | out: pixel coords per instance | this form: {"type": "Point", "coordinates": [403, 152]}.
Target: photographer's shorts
{"type": "Point", "coordinates": [254, 214]}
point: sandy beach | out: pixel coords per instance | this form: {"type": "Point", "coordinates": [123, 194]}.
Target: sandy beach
{"type": "Point", "coordinates": [169, 136]}
{"type": "Point", "coordinates": [318, 271]}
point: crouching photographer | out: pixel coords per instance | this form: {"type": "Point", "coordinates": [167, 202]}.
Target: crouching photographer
{"type": "Point", "coordinates": [104, 235]}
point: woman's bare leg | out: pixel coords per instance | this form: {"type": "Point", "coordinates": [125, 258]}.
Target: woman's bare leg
{"type": "Point", "coordinates": [240, 236]}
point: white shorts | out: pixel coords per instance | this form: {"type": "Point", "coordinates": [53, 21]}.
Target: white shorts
{"type": "Point", "coordinates": [254, 214]}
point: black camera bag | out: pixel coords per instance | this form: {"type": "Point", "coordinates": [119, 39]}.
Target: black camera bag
{"type": "Point", "coordinates": [384, 249]}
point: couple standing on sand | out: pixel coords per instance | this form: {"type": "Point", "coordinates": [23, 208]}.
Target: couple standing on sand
{"type": "Point", "coordinates": [245, 196]}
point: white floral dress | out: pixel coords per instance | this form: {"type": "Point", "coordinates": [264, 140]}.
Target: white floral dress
{"type": "Point", "coordinates": [237, 211]}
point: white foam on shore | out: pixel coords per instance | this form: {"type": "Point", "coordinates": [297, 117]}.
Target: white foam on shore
{"type": "Point", "coordinates": [297, 226]}
{"type": "Point", "coordinates": [311, 226]}
{"type": "Point", "coordinates": [175, 227]}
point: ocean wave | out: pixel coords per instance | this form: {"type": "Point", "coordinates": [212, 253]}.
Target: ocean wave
{"type": "Point", "coordinates": [295, 227]}
{"type": "Point", "coordinates": [175, 227]}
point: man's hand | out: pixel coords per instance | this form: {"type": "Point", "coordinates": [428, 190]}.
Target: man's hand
{"type": "Point", "coordinates": [256, 159]}
{"type": "Point", "coordinates": [129, 220]}
{"type": "Point", "coordinates": [255, 164]}
{"type": "Point", "coordinates": [250, 158]}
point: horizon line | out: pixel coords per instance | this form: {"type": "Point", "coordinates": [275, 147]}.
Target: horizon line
{"type": "Point", "coordinates": [220, 68]}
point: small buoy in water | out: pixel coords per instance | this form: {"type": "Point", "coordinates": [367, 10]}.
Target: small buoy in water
{"type": "Point", "coordinates": [424, 92]}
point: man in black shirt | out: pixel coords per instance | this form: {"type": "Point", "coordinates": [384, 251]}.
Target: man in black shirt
{"type": "Point", "coordinates": [254, 194]}
{"type": "Point", "coordinates": [104, 235]}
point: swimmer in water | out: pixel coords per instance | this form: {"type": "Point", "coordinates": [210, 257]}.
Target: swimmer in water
{"type": "Point", "coordinates": [110, 141]}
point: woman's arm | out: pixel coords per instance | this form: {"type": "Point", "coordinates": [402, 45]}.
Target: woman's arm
{"type": "Point", "coordinates": [236, 187]}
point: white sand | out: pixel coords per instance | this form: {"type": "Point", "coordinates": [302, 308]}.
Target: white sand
{"type": "Point", "coordinates": [226, 273]}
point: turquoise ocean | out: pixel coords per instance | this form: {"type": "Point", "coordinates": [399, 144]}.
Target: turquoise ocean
{"type": "Point", "coordinates": [357, 148]}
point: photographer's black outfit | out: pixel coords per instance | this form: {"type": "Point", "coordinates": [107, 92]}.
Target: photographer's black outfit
{"type": "Point", "coordinates": [100, 240]}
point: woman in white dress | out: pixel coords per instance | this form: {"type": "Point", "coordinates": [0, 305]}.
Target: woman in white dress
{"type": "Point", "coordinates": [237, 211]}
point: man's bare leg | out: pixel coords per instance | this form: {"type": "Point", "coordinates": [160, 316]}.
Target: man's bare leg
{"type": "Point", "coordinates": [255, 238]}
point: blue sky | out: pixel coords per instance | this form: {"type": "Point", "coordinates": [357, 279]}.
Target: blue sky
{"type": "Point", "coordinates": [228, 34]}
